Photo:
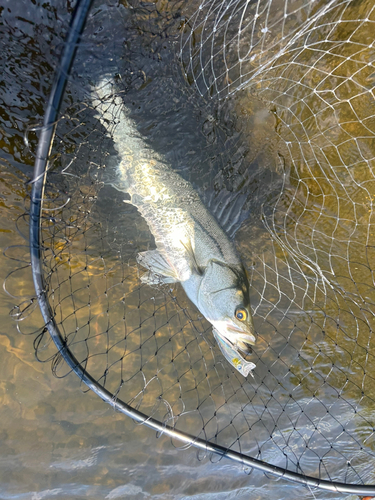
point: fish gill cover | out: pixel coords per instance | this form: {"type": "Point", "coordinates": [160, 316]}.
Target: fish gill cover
{"type": "Point", "coordinates": [267, 109]}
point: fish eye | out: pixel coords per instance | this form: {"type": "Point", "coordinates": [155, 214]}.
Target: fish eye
{"type": "Point", "coordinates": [241, 314]}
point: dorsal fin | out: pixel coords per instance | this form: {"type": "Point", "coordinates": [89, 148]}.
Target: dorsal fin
{"type": "Point", "coordinates": [228, 208]}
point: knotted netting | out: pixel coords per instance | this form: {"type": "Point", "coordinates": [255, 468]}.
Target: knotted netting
{"type": "Point", "coordinates": [300, 210]}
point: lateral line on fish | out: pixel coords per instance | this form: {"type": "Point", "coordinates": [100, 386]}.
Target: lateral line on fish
{"type": "Point", "coordinates": [209, 235]}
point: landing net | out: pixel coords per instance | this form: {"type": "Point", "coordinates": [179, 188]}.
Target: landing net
{"type": "Point", "coordinates": [307, 232]}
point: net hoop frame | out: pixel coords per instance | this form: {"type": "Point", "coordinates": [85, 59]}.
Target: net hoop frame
{"type": "Point", "coordinates": [36, 206]}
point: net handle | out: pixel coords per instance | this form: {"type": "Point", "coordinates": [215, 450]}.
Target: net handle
{"type": "Point", "coordinates": [38, 182]}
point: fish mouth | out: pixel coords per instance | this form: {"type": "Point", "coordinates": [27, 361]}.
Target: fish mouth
{"type": "Point", "coordinates": [245, 352]}
{"type": "Point", "coordinates": [237, 339]}
{"type": "Point", "coordinates": [233, 333]}
{"type": "Point", "coordinates": [248, 338]}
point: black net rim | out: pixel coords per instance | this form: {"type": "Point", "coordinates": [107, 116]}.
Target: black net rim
{"type": "Point", "coordinates": [37, 191]}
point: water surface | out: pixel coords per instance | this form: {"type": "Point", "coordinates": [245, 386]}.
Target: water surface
{"type": "Point", "coordinates": [60, 443]}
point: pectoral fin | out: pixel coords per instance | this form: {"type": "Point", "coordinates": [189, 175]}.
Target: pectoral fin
{"type": "Point", "coordinates": [151, 278]}
{"type": "Point", "coordinates": [159, 269]}
{"type": "Point", "coordinates": [232, 355]}
{"type": "Point", "coordinates": [193, 260]}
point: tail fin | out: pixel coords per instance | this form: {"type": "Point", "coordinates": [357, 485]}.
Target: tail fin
{"type": "Point", "coordinates": [111, 112]}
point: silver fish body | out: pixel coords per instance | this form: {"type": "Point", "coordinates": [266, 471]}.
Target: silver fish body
{"type": "Point", "coordinates": [191, 247]}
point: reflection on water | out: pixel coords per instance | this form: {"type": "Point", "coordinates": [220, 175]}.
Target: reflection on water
{"type": "Point", "coordinates": [312, 394]}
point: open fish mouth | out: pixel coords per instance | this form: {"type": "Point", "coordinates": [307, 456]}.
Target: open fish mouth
{"type": "Point", "coordinates": [248, 350]}
{"type": "Point", "coordinates": [234, 334]}
{"type": "Point", "coordinates": [238, 337]}
{"type": "Point", "coordinates": [240, 341]}
{"type": "Point", "coordinates": [249, 338]}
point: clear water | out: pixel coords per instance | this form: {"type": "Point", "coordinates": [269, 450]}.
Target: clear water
{"type": "Point", "coordinates": [56, 441]}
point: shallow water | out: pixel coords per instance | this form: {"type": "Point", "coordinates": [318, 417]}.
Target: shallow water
{"type": "Point", "coordinates": [58, 442]}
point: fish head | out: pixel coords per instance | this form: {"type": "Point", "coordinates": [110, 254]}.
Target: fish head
{"type": "Point", "coordinates": [224, 300]}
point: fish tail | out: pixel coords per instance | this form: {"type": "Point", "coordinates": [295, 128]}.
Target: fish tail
{"type": "Point", "coordinates": [112, 114]}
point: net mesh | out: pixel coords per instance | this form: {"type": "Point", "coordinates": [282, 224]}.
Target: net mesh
{"type": "Point", "coordinates": [307, 239]}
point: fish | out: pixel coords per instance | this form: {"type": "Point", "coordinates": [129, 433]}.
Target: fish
{"type": "Point", "coordinates": [191, 248]}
